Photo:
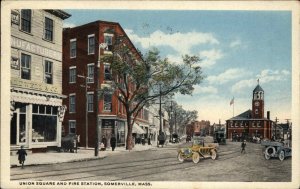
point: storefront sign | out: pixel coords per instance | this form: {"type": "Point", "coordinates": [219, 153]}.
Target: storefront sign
{"type": "Point", "coordinates": [15, 17]}
{"type": "Point", "coordinates": [15, 63]}
{"type": "Point", "coordinates": [107, 123]}
{"type": "Point", "coordinates": [16, 82]}
{"type": "Point", "coordinates": [37, 49]}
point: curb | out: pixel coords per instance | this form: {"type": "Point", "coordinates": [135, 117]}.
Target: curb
{"type": "Point", "coordinates": [50, 163]}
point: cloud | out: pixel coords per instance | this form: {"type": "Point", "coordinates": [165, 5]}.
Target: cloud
{"type": "Point", "coordinates": [205, 90]}
{"type": "Point", "coordinates": [228, 75]}
{"type": "Point", "coordinates": [69, 25]}
{"type": "Point", "coordinates": [266, 76]}
{"type": "Point", "coordinates": [235, 43]}
{"type": "Point", "coordinates": [182, 43]}
{"type": "Point", "coordinates": [210, 57]}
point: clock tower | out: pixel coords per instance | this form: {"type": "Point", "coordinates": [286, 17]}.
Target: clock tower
{"type": "Point", "coordinates": [258, 102]}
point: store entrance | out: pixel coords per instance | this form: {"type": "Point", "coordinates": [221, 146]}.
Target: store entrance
{"type": "Point", "coordinates": [13, 130]}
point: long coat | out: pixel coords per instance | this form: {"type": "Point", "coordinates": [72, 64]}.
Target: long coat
{"type": "Point", "coordinates": [21, 154]}
{"type": "Point", "coordinates": [113, 141]}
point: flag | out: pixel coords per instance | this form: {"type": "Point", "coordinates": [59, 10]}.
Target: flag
{"type": "Point", "coordinates": [232, 101]}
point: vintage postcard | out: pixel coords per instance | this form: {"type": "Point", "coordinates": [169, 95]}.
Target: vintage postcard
{"type": "Point", "coordinates": [150, 94]}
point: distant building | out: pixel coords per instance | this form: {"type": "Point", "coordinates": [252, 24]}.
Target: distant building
{"type": "Point", "coordinates": [198, 128]}
{"type": "Point", "coordinates": [251, 122]}
{"type": "Point", "coordinates": [82, 53]}
{"type": "Point", "coordinates": [36, 78]}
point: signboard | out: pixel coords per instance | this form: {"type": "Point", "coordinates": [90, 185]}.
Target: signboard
{"type": "Point", "coordinates": [15, 17]}
{"type": "Point", "coordinates": [21, 83]}
{"type": "Point", "coordinates": [15, 63]}
{"type": "Point", "coordinates": [36, 49]}
{"type": "Point", "coordinates": [107, 123]}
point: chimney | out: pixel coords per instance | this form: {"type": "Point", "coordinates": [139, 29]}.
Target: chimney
{"type": "Point", "coordinates": [268, 115]}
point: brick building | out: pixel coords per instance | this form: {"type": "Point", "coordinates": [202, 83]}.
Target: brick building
{"type": "Point", "coordinates": [82, 51]}
{"type": "Point", "coordinates": [251, 122]}
{"type": "Point", "coordinates": [36, 78]}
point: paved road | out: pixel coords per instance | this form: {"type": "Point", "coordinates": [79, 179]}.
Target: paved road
{"type": "Point", "coordinates": [161, 165]}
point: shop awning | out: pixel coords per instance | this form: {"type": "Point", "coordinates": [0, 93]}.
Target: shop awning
{"type": "Point", "coordinates": [52, 100]}
{"type": "Point", "coordinates": [137, 129]}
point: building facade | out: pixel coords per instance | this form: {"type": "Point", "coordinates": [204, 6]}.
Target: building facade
{"type": "Point", "coordinates": [84, 73]}
{"type": "Point", "coordinates": [251, 122]}
{"type": "Point", "coordinates": [36, 77]}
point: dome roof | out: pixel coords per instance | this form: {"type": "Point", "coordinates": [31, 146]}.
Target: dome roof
{"type": "Point", "coordinates": [258, 89]}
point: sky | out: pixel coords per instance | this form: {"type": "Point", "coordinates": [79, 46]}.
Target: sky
{"type": "Point", "coordinates": [236, 49]}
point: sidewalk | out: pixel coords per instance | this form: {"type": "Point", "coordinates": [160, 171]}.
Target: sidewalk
{"type": "Point", "coordinates": [62, 157]}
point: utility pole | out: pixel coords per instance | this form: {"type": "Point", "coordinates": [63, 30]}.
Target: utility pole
{"type": "Point", "coordinates": [98, 124]}
{"type": "Point", "coordinates": [276, 120]}
{"type": "Point", "coordinates": [86, 109]}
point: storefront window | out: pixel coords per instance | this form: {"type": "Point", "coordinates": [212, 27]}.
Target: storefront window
{"type": "Point", "coordinates": [22, 122]}
{"type": "Point", "coordinates": [44, 124]}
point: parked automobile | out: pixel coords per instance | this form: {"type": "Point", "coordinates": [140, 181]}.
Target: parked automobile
{"type": "Point", "coordinates": [69, 143]}
{"type": "Point", "coordinates": [197, 151]}
{"type": "Point", "coordinates": [276, 149]}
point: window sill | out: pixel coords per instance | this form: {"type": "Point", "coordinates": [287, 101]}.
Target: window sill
{"type": "Point", "coordinates": [25, 32]}
{"type": "Point", "coordinates": [72, 57]}
{"type": "Point", "coordinates": [49, 41]}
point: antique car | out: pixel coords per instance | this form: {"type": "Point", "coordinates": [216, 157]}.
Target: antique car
{"type": "Point", "coordinates": [197, 151]}
{"type": "Point", "coordinates": [161, 139]}
{"type": "Point", "coordinates": [276, 149]}
{"type": "Point", "coordinates": [69, 143]}
{"type": "Point", "coordinates": [219, 137]}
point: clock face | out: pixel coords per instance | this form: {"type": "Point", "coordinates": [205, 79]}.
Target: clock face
{"type": "Point", "coordinates": [256, 104]}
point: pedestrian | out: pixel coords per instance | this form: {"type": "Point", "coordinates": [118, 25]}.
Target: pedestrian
{"type": "Point", "coordinates": [113, 142]}
{"type": "Point", "coordinates": [21, 156]}
{"type": "Point", "coordinates": [104, 141]}
{"type": "Point", "coordinates": [243, 145]}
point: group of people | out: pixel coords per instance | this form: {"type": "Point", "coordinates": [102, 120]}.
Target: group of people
{"type": "Point", "coordinates": [113, 143]}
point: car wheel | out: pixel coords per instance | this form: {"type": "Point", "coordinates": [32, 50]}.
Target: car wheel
{"type": "Point", "coordinates": [270, 150]}
{"type": "Point", "coordinates": [196, 157]}
{"type": "Point", "coordinates": [180, 157]}
{"type": "Point", "coordinates": [281, 155]}
{"type": "Point", "coordinates": [214, 154]}
{"type": "Point", "coordinates": [267, 156]}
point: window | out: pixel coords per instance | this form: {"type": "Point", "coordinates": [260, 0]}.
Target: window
{"type": "Point", "coordinates": [108, 41]}
{"type": "Point", "coordinates": [90, 73]}
{"type": "Point", "coordinates": [72, 48]}
{"type": "Point", "coordinates": [91, 44]}
{"type": "Point", "coordinates": [72, 126]}
{"type": "Point", "coordinates": [72, 75]}
{"type": "Point", "coordinates": [107, 102]}
{"type": "Point", "coordinates": [25, 66]}
{"type": "Point", "coordinates": [90, 102]}
{"type": "Point", "coordinates": [72, 103]}
{"type": "Point", "coordinates": [44, 123]}
{"type": "Point", "coordinates": [256, 111]}
{"type": "Point", "coordinates": [26, 20]}
{"type": "Point", "coordinates": [48, 72]}
{"type": "Point", "coordinates": [107, 72]}
{"type": "Point", "coordinates": [48, 29]}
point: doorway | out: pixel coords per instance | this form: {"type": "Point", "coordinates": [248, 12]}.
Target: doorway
{"type": "Point", "coordinates": [13, 130]}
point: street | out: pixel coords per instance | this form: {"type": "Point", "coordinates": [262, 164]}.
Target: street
{"type": "Point", "coordinates": [161, 164]}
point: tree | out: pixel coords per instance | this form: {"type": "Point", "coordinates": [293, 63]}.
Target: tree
{"type": "Point", "coordinates": [138, 80]}
{"type": "Point", "coordinates": [183, 117]}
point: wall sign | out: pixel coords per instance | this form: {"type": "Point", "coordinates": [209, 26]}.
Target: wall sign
{"type": "Point", "coordinates": [15, 17]}
{"type": "Point", "coordinates": [15, 63]}
{"type": "Point", "coordinates": [36, 49]}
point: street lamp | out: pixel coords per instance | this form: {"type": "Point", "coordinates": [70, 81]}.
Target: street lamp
{"type": "Point", "coordinates": [86, 108]}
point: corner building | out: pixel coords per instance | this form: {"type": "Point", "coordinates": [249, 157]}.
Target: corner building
{"type": "Point", "coordinates": [251, 122]}
{"type": "Point", "coordinates": [83, 74]}
{"type": "Point", "coordinates": [36, 77]}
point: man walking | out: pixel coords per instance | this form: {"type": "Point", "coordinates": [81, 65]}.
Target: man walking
{"type": "Point", "coordinates": [243, 147]}
{"type": "Point", "coordinates": [113, 142]}
{"type": "Point", "coordinates": [21, 156]}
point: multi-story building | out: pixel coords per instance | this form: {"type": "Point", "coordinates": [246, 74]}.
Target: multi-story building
{"type": "Point", "coordinates": [251, 122]}
{"type": "Point", "coordinates": [84, 73]}
{"type": "Point", "coordinates": [36, 77]}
